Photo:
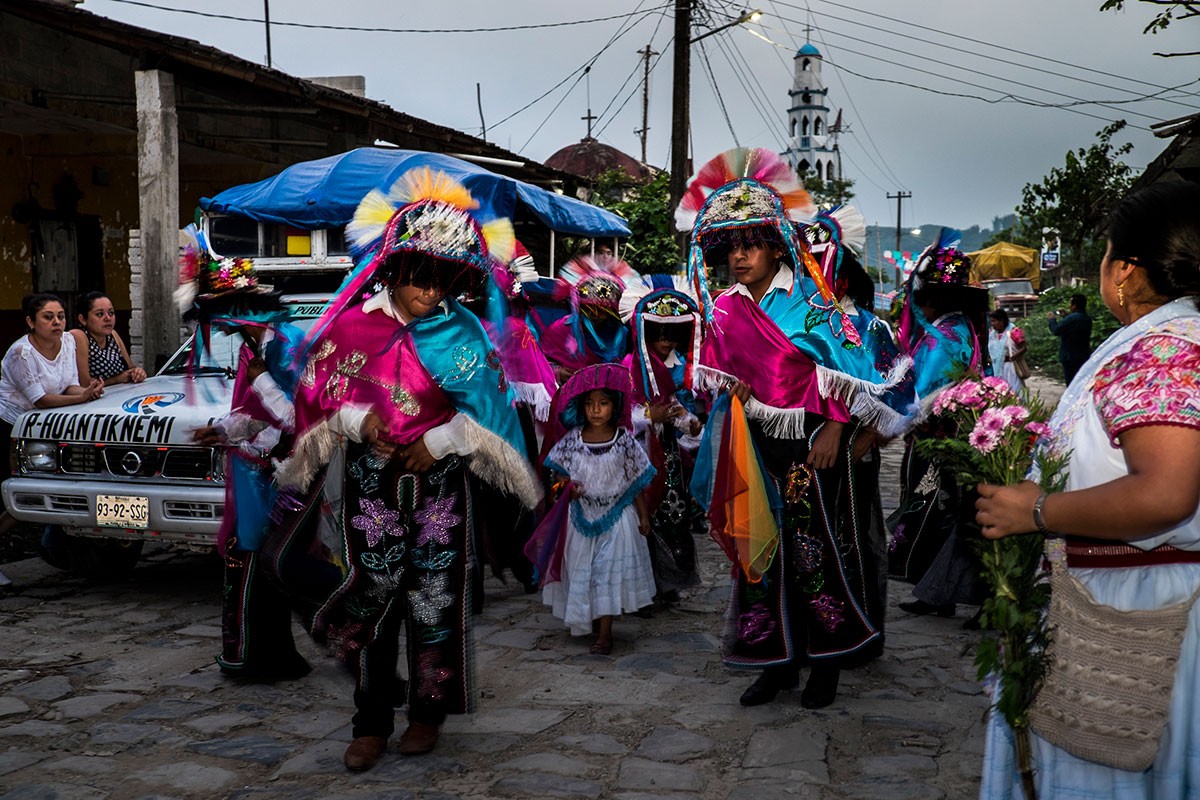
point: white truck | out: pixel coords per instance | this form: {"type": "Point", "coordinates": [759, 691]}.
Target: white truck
{"type": "Point", "coordinates": [123, 469]}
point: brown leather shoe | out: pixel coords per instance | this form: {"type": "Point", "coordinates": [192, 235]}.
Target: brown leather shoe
{"type": "Point", "coordinates": [363, 752]}
{"type": "Point", "coordinates": [419, 738]}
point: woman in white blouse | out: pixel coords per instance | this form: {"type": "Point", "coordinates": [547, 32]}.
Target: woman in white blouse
{"type": "Point", "coordinates": [39, 370]}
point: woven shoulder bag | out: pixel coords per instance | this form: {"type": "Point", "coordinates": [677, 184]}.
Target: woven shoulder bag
{"type": "Point", "coordinates": [1109, 675]}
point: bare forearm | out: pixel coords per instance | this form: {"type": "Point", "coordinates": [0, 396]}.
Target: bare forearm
{"type": "Point", "coordinates": [1127, 509]}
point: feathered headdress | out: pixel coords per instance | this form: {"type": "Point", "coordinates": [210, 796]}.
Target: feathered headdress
{"type": "Point", "coordinates": [426, 213]}
{"type": "Point", "coordinates": [664, 300]}
{"type": "Point", "coordinates": [595, 285]}
{"type": "Point", "coordinates": [744, 189]}
{"type": "Point", "coordinates": [838, 227]}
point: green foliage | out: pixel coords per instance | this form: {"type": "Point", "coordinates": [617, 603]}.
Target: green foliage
{"type": "Point", "coordinates": [1163, 19]}
{"type": "Point", "coordinates": [1076, 198]}
{"type": "Point", "coordinates": [1042, 345]}
{"type": "Point", "coordinates": [827, 194]}
{"type": "Point", "coordinates": [1014, 651]}
{"type": "Point", "coordinates": [652, 248]}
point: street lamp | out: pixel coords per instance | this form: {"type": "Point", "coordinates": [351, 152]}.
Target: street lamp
{"type": "Point", "coordinates": [680, 89]}
{"type": "Point", "coordinates": [747, 16]}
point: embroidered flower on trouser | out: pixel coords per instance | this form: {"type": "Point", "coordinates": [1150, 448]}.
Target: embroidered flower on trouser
{"type": "Point", "coordinates": [431, 675]}
{"type": "Point", "coordinates": [430, 598]}
{"type": "Point", "coordinates": [376, 521]}
{"type": "Point", "coordinates": [436, 520]}
{"type": "Point", "coordinates": [755, 626]}
{"type": "Point", "coordinates": [828, 611]}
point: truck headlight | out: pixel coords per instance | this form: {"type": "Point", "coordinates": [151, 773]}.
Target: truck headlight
{"type": "Point", "coordinates": [40, 456]}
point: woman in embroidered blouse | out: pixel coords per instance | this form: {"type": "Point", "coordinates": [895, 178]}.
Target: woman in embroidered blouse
{"type": "Point", "coordinates": [98, 348]}
{"type": "Point", "coordinates": [1131, 422]}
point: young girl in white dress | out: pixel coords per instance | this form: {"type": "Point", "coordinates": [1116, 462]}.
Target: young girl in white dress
{"type": "Point", "coordinates": [606, 567]}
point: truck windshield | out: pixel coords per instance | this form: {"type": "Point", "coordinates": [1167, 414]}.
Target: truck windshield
{"type": "Point", "coordinates": [221, 354]}
{"type": "Point", "coordinates": [1011, 287]}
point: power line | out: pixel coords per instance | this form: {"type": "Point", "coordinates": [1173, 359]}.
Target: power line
{"type": "Point", "coordinates": [1004, 97]}
{"type": "Point", "coordinates": [1077, 100]}
{"type": "Point", "coordinates": [633, 91]}
{"type": "Point", "coordinates": [978, 54]}
{"type": "Point", "coordinates": [758, 104]}
{"type": "Point", "coordinates": [636, 67]}
{"type": "Point", "coordinates": [712, 81]}
{"type": "Point", "coordinates": [964, 38]}
{"type": "Point", "coordinates": [621, 31]}
{"type": "Point", "coordinates": [886, 168]}
{"type": "Point", "coordinates": [315, 26]}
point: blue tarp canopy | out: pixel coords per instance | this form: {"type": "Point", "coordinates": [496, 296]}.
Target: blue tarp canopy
{"type": "Point", "coordinates": [325, 192]}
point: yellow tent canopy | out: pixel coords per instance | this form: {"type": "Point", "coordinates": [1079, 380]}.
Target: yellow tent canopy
{"type": "Point", "coordinates": [1006, 260]}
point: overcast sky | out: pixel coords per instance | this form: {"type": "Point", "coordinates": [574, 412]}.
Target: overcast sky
{"type": "Point", "coordinates": [964, 160]}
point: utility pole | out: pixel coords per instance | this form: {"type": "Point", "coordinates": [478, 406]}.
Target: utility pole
{"type": "Point", "coordinates": [267, 21]}
{"type": "Point", "coordinates": [479, 103]}
{"type": "Point", "coordinates": [899, 197]}
{"type": "Point", "coordinates": [646, 53]}
{"type": "Point", "coordinates": [680, 81]}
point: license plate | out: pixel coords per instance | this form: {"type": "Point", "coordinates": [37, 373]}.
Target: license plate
{"type": "Point", "coordinates": [120, 511]}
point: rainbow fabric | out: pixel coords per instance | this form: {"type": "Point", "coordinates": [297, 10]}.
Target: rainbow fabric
{"type": "Point", "coordinates": [741, 500]}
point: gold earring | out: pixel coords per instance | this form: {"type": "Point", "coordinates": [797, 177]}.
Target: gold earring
{"type": "Point", "coordinates": [1121, 295]}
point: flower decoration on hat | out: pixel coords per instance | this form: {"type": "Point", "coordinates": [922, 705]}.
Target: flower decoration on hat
{"type": "Point", "coordinates": [746, 192]}
{"type": "Point", "coordinates": [941, 267]}
{"type": "Point", "coordinates": [214, 288]}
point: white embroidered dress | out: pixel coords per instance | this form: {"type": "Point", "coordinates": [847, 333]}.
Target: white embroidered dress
{"type": "Point", "coordinates": [606, 567]}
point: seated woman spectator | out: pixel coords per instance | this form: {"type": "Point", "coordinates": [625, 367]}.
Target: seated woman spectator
{"type": "Point", "coordinates": [99, 351]}
{"type": "Point", "coordinates": [39, 370]}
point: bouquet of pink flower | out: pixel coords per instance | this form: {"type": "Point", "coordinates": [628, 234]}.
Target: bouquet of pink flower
{"type": "Point", "coordinates": [990, 435]}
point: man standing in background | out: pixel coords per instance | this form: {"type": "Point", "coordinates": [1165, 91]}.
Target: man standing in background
{"type": "Point", "coordinates": [1074, 332]}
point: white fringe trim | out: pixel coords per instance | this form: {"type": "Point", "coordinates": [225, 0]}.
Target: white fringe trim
{"type": "Point", "coordinates": [860, 397]}
{"type": "Point", "coordinates": [780, 423]}
{"type": "Point", "coordinates": [533, 395]}
{"type": "Point", "coordinates": [495, 461]}
{"type": "Point", "coordinates": [313, 450]}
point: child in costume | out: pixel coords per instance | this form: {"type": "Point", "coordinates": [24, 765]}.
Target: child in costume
{"type": "Point", "coordinates": [592, 332]}
{"type": "Point", "coordinates": [256, 618]}
{"type": "Point", "coordinates": [605, 568]}
{"type": "Point", "coordinates": [664, 320]}
{"type": "Point", "coordinates": [411, 380]}
{"type": "Point", "coordinates": [942, 329]}
{"type": "Point", "coordinates": [780, 468]}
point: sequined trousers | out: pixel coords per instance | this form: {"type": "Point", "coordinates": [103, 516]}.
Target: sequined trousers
{"type": "Point", "coordinates": [823, 596]}
{"type": "Point", "coordinates": [405, 566]}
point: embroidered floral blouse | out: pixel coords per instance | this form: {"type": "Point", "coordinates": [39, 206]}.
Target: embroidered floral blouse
{"type": "Point", "coordinates": [1155, 383]}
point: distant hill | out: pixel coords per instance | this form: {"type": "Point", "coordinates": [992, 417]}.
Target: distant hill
{"type": "Point", "coordinates": [880, 238]}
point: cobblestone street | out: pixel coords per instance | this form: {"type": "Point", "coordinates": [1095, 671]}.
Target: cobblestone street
{"type": "Point", "coordinates": [110, 692]}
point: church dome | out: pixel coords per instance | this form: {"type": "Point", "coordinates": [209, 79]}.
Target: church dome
{"type": "Point", "coordinates": [808, 50]}
{"type": "Point", "coordinates": [590, 158]}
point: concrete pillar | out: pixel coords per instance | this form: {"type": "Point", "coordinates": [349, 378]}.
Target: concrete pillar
{"type": "Point", "coordinates": [158, 210]}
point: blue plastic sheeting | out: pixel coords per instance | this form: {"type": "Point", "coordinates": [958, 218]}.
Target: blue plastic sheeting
{"type": "Point", "coordinates": [325, 192]}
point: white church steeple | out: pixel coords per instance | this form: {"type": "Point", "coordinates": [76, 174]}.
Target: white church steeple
{"type": "Point", "coordinates": [812, 143]}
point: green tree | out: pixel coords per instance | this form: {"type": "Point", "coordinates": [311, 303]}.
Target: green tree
{"type": "Point", "coordinates": [1076, 198]}
{"type": "Point", "coordinates": [1043, 345]}
{"type": "Point", "coordinates": [1171, 11]}
{"type": "Point", "coordinates": [827, 194]}
{"type": "Point", "coordinates": [652, 247]}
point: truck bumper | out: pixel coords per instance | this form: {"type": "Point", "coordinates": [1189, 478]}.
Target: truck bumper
{"type": "Point", "coordinates": [179, 515]}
